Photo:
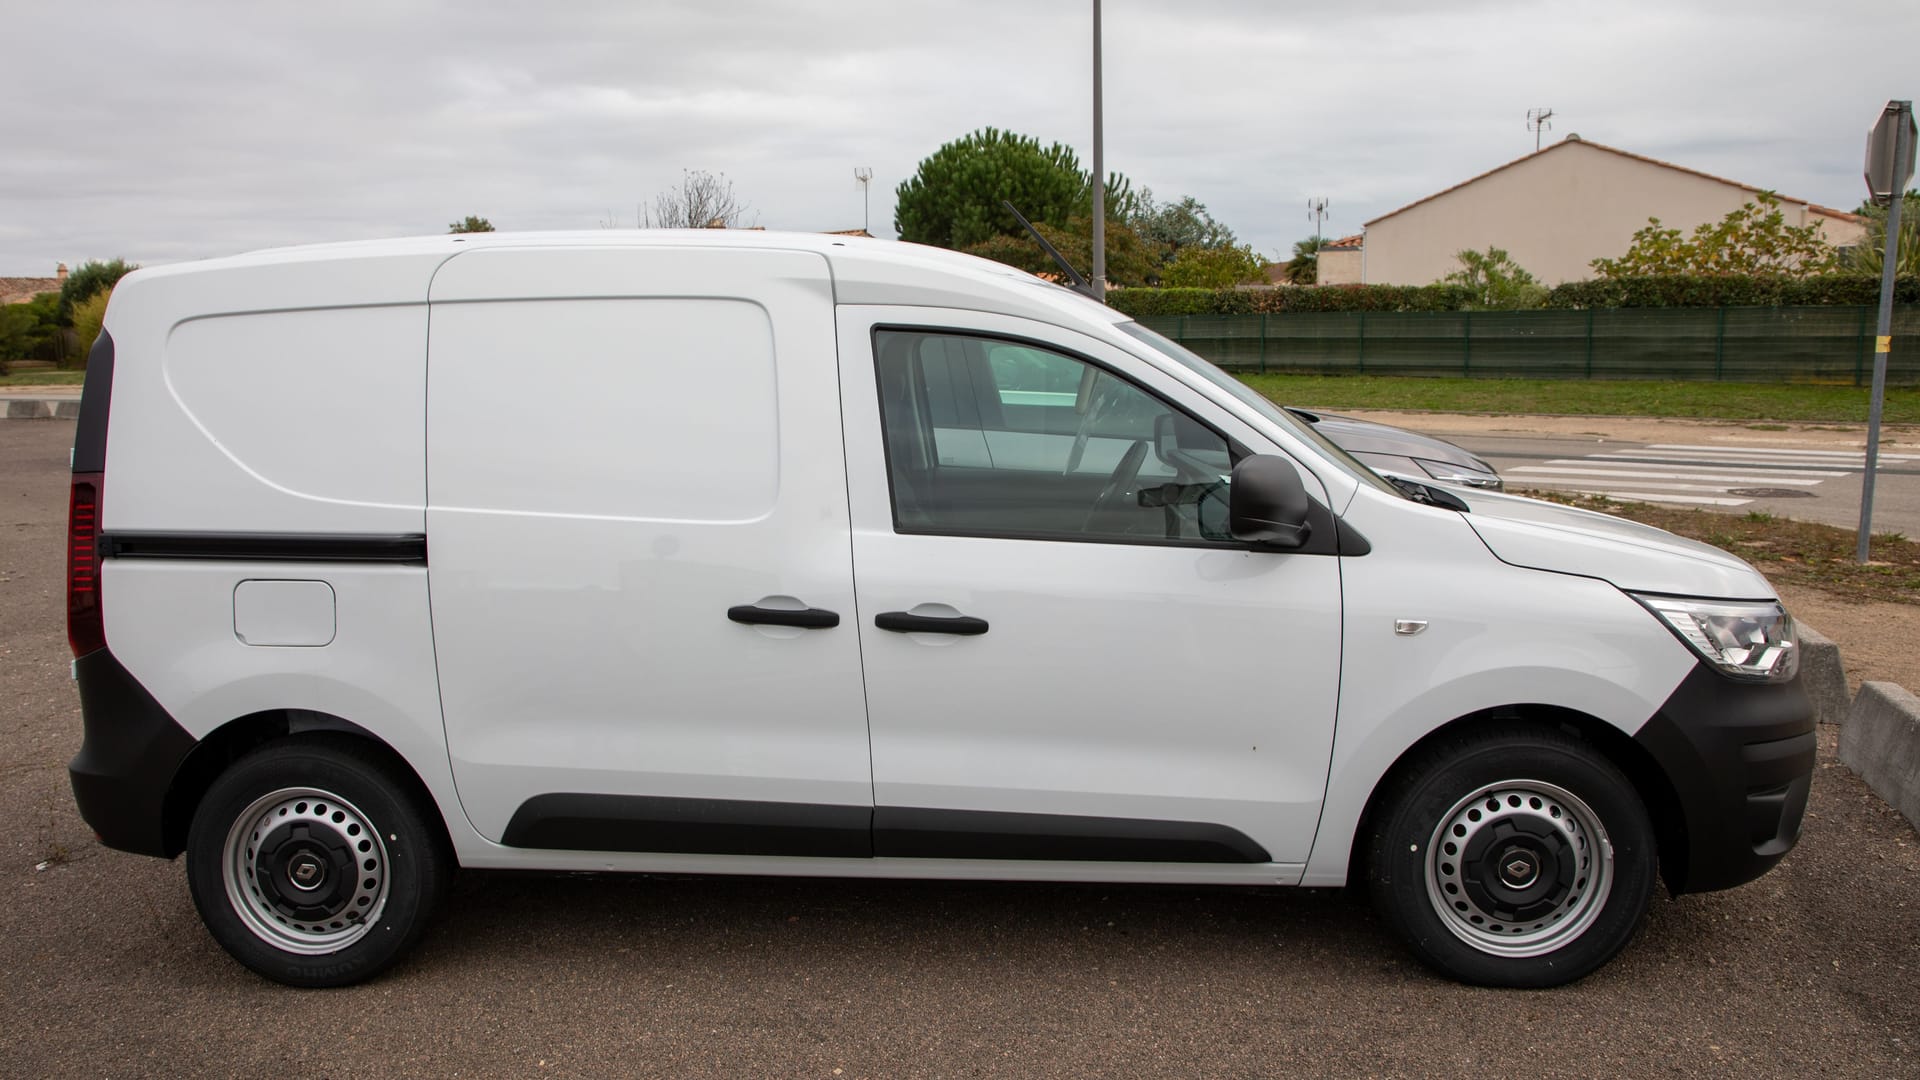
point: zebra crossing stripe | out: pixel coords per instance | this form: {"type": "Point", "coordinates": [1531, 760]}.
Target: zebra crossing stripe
{"type": "Point", "coordinates": [1787, 450]}
{"type": "Point", "coordinates": [1743, 480]}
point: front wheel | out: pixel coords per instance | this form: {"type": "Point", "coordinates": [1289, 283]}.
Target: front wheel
{"type": "Point", "coordinates": [314, 863]}
{"type": "Point", "coordinates": [1517, 856]}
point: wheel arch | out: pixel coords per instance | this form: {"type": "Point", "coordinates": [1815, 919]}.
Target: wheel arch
{"type": "Point", "coordinates": [1650, 782]}
{"type": "Point", "coordinates": [237, 738]}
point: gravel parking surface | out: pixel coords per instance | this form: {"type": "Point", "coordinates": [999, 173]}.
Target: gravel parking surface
{"type": "Point", "coordinates": [104, 969]}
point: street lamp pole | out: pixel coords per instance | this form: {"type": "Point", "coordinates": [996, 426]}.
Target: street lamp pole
{"type": "Point", "coordinates": [1099, 173]}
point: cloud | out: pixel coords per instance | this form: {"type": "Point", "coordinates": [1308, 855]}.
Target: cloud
{"type": "Point", "coordinates": [166, 132]}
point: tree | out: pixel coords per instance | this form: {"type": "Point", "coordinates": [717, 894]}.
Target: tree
{"type": "Point", "coordinates": [1174, 227]}
{"type": "Point", "coordinates": [93, 276]}
{"type": "Point", "coordinates": [31, 330]}
{"type": "Point", "coordinates": [953, 200]}
{"type": "Point", "coordinates": [471, 224]}
{"type": "Point", "coordinates": [1131, 261]}
{"type": "Point", "coordinates": [1871, 254]}
{"type": "Point", "coordinates": [1753, 240]}
{"type": "Point", "coordinates": [1214, 268]}
{"type": "Point", "coordinates": [703, 200]}
{"type": "Point", "coordinates": [88, 315]}
{"type": "Point", "coordinates": [1304, 267]}
{"type": "Point", "coordinates": [1498, 283]}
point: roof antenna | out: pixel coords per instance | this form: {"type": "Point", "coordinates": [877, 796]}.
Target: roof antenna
{"type": "Point", "coordinates": [1537, 123]}
{"type": "Point", "coordinates": [1079, 283]}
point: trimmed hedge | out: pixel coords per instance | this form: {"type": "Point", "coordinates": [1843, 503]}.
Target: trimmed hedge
{"type": "Point", "coordinates": [1146, 303]}
{"type": "Point", "coordinates": [1729, 291]}
{"type": "Point", "coordinates": [1633, 292]}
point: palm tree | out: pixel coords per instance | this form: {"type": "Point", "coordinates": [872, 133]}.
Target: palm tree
{"type": "Point", "coordinates": [1304, 267]}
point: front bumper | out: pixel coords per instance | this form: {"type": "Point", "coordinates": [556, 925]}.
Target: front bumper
{"type": "Point", "coordinates": [1739, 757]}
{"type": "Point", "coordinates": [132, 752]}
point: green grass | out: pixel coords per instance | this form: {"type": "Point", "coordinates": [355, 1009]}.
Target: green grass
{"type": "Point", "coordinates": [1717, 401]}
{"type": "Point", "coordinates": [43, 378]}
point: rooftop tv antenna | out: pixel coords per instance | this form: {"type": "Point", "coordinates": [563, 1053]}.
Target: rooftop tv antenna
{"type": "Point", "coordinates": [1537, 123]}
{"type": "Point", "coordinates": [865, 177]}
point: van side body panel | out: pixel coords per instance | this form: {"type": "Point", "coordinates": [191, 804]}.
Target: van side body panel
{"type": "Point", "coordinates": [1496, 635]}
{"type": "Point", "coordinates": [586, 559]}
{"type": "Point", "coordinates": [264, 415]}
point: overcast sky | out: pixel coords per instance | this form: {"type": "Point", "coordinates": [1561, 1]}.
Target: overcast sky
{"type": "Point", "coordinates": [170, 131]}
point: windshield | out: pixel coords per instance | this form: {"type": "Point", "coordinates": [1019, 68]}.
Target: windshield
{"type": "Point", "coordinates": [1193, 362]}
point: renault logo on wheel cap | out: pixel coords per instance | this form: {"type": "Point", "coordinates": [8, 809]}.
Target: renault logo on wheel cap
{"type": "Point", "coordinates": [1518, 868]}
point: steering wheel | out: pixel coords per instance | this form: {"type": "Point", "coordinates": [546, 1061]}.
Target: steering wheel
{"type": "Point", "coordinates": [1121, 482]}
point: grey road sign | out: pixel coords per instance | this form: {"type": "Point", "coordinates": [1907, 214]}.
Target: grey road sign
{"type": "Point", "coordinates": [1888, 166]}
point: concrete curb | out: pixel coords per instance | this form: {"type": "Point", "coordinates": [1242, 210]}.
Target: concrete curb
{"type": "Point", "coordinates": [42, 408]}
{"type": "Point", "coordinates": [1824, 676]}
{"type": "Point", "coordinates": [1881, 742]}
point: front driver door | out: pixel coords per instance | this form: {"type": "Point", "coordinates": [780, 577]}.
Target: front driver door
{"type": "Point", "coordinates": [1066, 656]}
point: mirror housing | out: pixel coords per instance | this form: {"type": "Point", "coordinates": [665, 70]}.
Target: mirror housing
{"type": "Point", "coordinates": [1269, 503]}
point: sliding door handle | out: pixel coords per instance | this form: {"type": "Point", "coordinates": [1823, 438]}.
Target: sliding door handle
{"type": "Point", "coordinates": [807, 619]}
{"type": "Point", "coordinates": [905, 622]}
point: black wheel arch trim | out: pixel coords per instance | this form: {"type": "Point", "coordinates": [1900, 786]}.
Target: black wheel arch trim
{"type": "Point", "coordinates": [1739, 757]}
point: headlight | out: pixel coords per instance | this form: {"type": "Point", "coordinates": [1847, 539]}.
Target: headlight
{"type": "Point", "coordinates": [1458, 474]}
{"type": "Point", "coordinates": [1755, 641]}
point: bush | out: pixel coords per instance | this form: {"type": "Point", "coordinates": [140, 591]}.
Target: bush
{"type": "Point", "coordinates": [92, 277]}
{"type": "Point", "coordinates": [87, 316]}
{"type": "Point", "coordinates": [31, 331]}
{"type": "Point", "coordinates": [1148, 303]}
{"type": "Point", "coordinates": [1717, 290]}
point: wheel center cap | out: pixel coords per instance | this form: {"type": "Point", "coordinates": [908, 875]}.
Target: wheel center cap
{"type": "Point", "coordinates": [306, 872]}
{"type": "Point", "coordinates": [1518, 869]}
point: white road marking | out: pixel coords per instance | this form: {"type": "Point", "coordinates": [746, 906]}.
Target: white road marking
{"type": "Point", "coordinates": [1699, 475]}
{"type": "Point", "coordinates": [1745, 479]}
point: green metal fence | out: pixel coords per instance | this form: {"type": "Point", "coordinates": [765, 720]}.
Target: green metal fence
{"type": "Point", "coordinates": [1757, 345]}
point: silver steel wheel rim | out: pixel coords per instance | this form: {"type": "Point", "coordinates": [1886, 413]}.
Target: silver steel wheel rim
{"type": "Point", "coordinates": [325, 821]}
{"type": "Point", "coordinates": [1585, 859]}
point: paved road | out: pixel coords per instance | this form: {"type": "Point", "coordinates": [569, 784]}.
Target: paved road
{"type": "Point", "coordinates": [1820, 485]}
{"type": "Point", "coordinates": [105, 971]}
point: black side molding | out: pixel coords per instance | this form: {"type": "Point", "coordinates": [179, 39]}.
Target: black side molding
{"type": "Point", "coordinates": [916, 833]}
{"type": "Point", "coordinates": [810, 619]}
{"type": "Point", "coordinates": [903, 622]}
{"type": "Point", "coordinates": [648, 823]}
{"type": "Point", "coordinates": [268, 547]}
{"type": "Point", "coordinates": [580, 822]}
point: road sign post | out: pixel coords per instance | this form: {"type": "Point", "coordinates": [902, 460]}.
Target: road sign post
{"type": "Point", "coordinates": [1890, 148]}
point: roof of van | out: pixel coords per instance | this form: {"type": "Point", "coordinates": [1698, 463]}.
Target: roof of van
{"type": "Point", "coordinates": [865, 270]}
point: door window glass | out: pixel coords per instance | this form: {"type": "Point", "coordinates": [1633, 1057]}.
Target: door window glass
{"type": "Point", "coordinates": [995, 438]}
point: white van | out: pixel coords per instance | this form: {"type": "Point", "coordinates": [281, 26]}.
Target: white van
{"type": "Point", "coordinates": [753, 553]}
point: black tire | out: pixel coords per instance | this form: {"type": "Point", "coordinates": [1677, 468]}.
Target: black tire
{"type": "Point", "coordinates": [1489, 857]}
{"type": "Point", "coordinates": [368, 850]}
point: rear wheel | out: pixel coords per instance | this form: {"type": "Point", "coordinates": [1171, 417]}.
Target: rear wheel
{"type": "Point", "coordinates": [1516, 856]}
{"type": "Point", "coordinates": [314, 862]}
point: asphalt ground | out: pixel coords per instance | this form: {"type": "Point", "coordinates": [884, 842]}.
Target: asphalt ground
{"type": "Point", "coordinates": [105, 970]}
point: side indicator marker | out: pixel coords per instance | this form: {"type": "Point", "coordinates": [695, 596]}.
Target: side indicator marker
{"type": "Point", "coordinates": [1409, 627]}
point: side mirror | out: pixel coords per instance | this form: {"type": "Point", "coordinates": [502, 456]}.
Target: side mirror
{"type": "Point", "coordinates": [1268, 503]}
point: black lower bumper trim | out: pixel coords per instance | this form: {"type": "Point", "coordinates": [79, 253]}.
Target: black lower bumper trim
{"type": "Point", "coordinates": [1740, 757]}
{"type": "Point", "coordinates": [132, 751]}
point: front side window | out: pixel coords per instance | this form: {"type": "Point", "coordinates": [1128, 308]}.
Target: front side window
{"type": "Point", "coordinates": [987, 437]}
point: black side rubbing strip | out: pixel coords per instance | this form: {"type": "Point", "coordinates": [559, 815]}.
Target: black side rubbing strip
{"type": "Point", "coordinates": [96, 394]}
{"type": "Point", "coordinates": [268, 547]}
{"type": "Point", "coordinates": [576, 822]}
{"type": "Point", "coordinates": [809, 619]}
{"type": "Point", "coordinates": [904, 622]}
{"type": "Point", "coordinates": [915, 833]}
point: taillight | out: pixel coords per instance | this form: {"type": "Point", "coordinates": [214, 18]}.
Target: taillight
{"type": "Point", "coordinates": [86, 628]}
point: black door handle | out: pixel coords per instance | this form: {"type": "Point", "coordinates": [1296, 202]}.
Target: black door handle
{"type": "Point", "coordinates": [905, 622]}
{"type": "Point", "coordinates": [812, 618]}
